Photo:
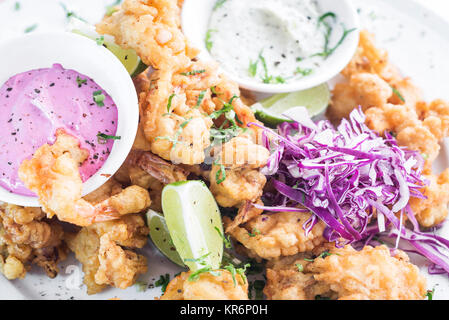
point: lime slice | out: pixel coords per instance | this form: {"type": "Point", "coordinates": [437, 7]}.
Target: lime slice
{"type": "Point", "coordinates": [160, 236]}
{"type": "Point", "coordinates": [193, 217]}
{"type": "Point", "coordinates": [270, 110]}
{"type": "Point", "coordinates": [128, 57]}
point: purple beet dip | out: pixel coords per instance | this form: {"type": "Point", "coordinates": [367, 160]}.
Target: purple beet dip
{"type": "Point", "coordinates": [36, 103]}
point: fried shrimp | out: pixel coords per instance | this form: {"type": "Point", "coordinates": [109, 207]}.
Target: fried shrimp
{"type": "Point", "coordinates": [219, 286]}
{"type": "Point", "coordinates": [235, 176]}
{"type": "Point", "coordinates": [100, 249]}
{"type": "Point", "coordinates": [53, 175]}
{"type": "Point", "coordinates": [345, 274]}
{"type": "Point", "coordinates": [275, 235]}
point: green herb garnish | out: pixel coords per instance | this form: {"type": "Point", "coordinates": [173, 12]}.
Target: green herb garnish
{"type": "Point", "coordinates": [220, 176]}
{"type": "Point", "coordinates": [196, 275]}
{"type": "Point", "coordinates": [163, 282]}
{"type": "Point", "coordinates": [175, 140]}
{"type": "Point", "coordinates": [103, 138]}
{"type": "Point", "coordinates": [254, 233]}
{"type": "Point", "coordinates": [170, 99]}
{"type": "Point", "coordinates": [100, 40]}
{"type": "Point", "coordinates": [300, 267]}
{"type": "Point", "coordinates": [99, 97]}
{"type": "Point", "coordinates": [17, 6]}
{"type": "Point", "coordinates": [226, 240]}
{"type": "Point", "coordinates": [397, 93]}
{"type": "Point", "coordinates": [252, 69]}
{"type": "Point", "coordinates": [193, 72]}
{"type": "Point", "coordinates": [31, 28]}
{"type": "Point", "coordinates": [240, 271]}
{"type": "Point", "coordinates": [70, 14]}
{"type": "Point", "coordinates": [208, 40]}
{"type": "Point", "coordinates": [429, 294]}
{"type": "Point", "coordinates": [303, 72]}
{"type": "Point", "coordinates": [80, 81]}
{"type": "Point", "coordinates": [200, 98]}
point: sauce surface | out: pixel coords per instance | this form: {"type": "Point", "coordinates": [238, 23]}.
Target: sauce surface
{"type": "Point", "coordinates": [34, 104]}
{"type": "Point", "coordinates": [270, 41]}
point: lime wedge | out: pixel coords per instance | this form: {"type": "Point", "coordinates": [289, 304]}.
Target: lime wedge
{"type": "Point", "coordinates": [270, 110]}
{"type": "Point", "coordinates": [192, 218]}
{"type": "Point", "coordinates": [160, 236]}
{"type": "Point", "coordinates": [128, 57]}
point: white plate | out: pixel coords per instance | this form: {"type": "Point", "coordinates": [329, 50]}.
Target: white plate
{"type": "Point", "coordinates": [418, 42]}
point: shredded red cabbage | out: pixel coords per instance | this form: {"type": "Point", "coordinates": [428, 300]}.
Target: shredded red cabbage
{"type": "Point", "coordinates": [345, 175]}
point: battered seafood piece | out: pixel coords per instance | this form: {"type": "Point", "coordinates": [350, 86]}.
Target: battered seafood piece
{"type": "Point", "coordinates": [345, 274]}
{"type": "Point", "coordinates": [100, 248]}
{"type": "Point", "coordinates": [235, 176]}
{"type": "Point", "coordinates": [178, 100]}
{"type": "Point", "coordinates": [27, 237]}
{"type": "Point", "coordinates": [53, 175]}
{"type": "Point", "coordinates": [393, 104]}
{"type": "Point", "coordinates": [207, 287]}
{"type": "Point", "coordinates": [275, 235]}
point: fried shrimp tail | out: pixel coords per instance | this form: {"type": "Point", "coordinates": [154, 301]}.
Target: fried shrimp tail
{"type": "Point", "coordinates": [53, 174]}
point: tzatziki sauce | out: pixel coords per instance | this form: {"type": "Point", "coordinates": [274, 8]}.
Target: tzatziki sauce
{"type": "Point", "coordinates": [269, 41]}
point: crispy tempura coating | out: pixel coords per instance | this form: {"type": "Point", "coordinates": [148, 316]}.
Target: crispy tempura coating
{"type": "Point", "coordinates": [99, 249]}
{"type": "Point", "coordinates": [152, 28]}
{"type": "Point", "coordinates": [393, 104]}
{"type": "Point", "coordinates": [240, 159]}
{"type": "Point", "coordinates": [26, 238]}
{"type": "Point", "coordinates": [274, 235]}
{"type": "Point", "coordinates": [347, 274]}
{"type": "Point", "coordinates": [54, 176]}
{"type": "Point", "coordinates": [207, 287]}
{"type": "Point", "coordinates": [178, 99]}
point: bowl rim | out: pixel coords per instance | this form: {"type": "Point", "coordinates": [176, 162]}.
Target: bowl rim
{"type": "Point", "coordinates": [350, 47]}
{"type": "Point", "coordinates": [115, 80]}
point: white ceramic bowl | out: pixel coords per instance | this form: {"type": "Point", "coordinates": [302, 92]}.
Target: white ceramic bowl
{"type": "Point", "coordinates": [195, 21]}
{"type": "Point", "coordinates": [72, 51]}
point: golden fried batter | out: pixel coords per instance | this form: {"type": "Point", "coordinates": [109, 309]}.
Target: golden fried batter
{"type": "Point", "coordinates": [207, 287]}
{"type": "Point", "coordinates": [53, 175]}
{"type": "Point", "coordinates": [346, 274]}
{"type": "Point", "coordinates": [238, 162]}
{"type": "Point", "coordinates": [99, 249]}
{"type": "Point", "coordinates": [26, 237]}
{"type": "Point", "coordinates": [274, 235]}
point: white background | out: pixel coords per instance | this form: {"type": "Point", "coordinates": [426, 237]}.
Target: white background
{"type": "Point", "coordinates": [441, 7]}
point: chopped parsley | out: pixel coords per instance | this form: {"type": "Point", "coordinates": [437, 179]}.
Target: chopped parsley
{"type": "Point", "coordinates": [103, 138]}
{"type": "Point", "coordinates": [303, 72]}
{"type": "Point", "coordinates": [208, 40]}
{"type": "Point", "coordinates": [170, 99]}
{"type": "Point", "coordinates": [220, 176]}
{"type": "Point", "coordinates": [254, 233]}
{"type": "Point", "coordinates": [193, 72]}
{"type": "Point", "coordinates": [429, 294]}
{"type": "Point", "coordinates": [80, 81]}
{"type": "Point", "coordinates": [99, 97]}
{"type": "Point", "coordinates": [397, 93]}
{"type": "Point", "coordinates": [100, 40]}
{"type": "Point", "coordinates": [31, 28]}
{"type": "Point", "coordinates": [300, 267]}
{"type": "Point", "coordinates": [163, 282]}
